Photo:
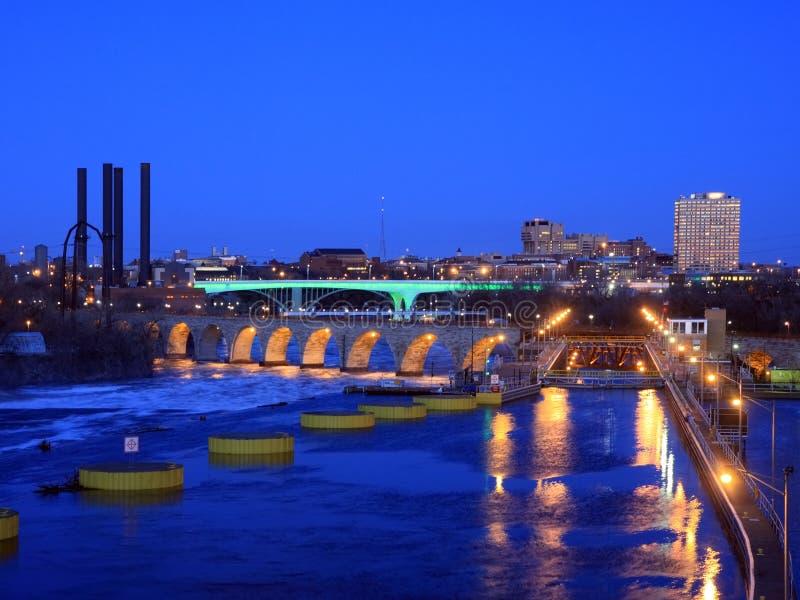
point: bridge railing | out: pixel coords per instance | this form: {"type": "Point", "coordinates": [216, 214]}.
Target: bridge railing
{"type": "Point", "coordinates": [755, 388]}
{"type": "Point", "coordinates": [591, 378]}
{"type": "Point", "coordinates": [607, 338]}
{"type": "Point", "coordinates": [600, 374]}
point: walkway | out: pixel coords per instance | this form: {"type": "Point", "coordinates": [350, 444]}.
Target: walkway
{"type": "Point", "coordinates": [762, 544]}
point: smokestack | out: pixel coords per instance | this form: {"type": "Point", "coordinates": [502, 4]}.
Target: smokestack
{"type": "Point", "coordinates": [80, 234]}
{"type": "Point", "coordinates": [118, 272]}
{"type": "Point", "coordinates": [108, 226]}
{"type": "Point", "coordinates": [144, 223]}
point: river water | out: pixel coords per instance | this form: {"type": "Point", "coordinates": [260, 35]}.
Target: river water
{"type": "Point", "coordinates": [579, 493]}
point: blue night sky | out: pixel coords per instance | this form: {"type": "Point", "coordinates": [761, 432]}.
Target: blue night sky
{"type": "Point", "coordinates": [274, 127]}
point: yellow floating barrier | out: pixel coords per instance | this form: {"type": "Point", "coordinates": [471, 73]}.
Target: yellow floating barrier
{"type": "Point", "coordinates": [131, 476]}
{"type": "Point", "coordinates": [9, 548]}
{"type": "Point", "coordinates": [489, 398]}
{"type": "Point", "coordinates": [274, 459]}
{"type": "Point", "coordinates": [251, 443]}
{"type": "Point", "coordinates": [397, 411]}
{"type": "Point", "coordinates": [342, 419]}
{"type": "Point", "coordinates": [447, 403]}
{"type": "Point", "coordinates": [159, 497]}
{"type": "Point", "coordinates": [9, 523]}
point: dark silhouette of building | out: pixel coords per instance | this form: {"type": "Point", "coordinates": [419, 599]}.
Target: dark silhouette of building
{"type": "Point", "coordinates": [335, 262]}
{"type": "Point", "coordinates": [40, 262]}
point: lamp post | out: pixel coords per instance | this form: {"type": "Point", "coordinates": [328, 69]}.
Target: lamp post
{"type": "Point", "coordinates": [591, 322]}
{"type": "Point", "coordinates": [714, 378]}
{"type": "Point", "coordinates": [28, 324]}
{"type": "Point", "coordinates": [702, 381]}
{"type": "Point", "coordinates": [739, 403]}
{"type": "Point", "coordinates": [726, 478]}
{"type": "Point", "coordinates": [787, 325]}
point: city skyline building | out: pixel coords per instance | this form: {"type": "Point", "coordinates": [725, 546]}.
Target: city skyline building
{"type": "Point", "coordinates": [541, 237]}
{"type": "Point", "coordinates": [707, 232]}
{"type": "Point", "coordinates": [40, 260]}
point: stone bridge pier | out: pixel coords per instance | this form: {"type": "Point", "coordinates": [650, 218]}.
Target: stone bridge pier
{"type": "Point", "coordinates": [200, 338]}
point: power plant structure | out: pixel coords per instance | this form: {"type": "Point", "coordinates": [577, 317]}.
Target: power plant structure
{"type": "Point", "coordinates": [111, 235]}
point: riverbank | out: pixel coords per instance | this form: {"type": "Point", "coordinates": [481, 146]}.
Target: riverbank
{"type": "Point", "coordinates": [81, 352]}
{"type": "Point", "coordinates": [19, 371]}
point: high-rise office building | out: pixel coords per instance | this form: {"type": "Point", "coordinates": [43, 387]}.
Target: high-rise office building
{"type": "Point", "coordinates": [542, 238]}
{"type": "Point", "coordinates": [707, 230]}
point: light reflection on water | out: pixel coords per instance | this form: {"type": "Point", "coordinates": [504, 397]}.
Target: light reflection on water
{"type": "Point", "coordinates": [666, 560]}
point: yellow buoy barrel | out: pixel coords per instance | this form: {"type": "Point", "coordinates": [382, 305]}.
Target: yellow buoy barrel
{"type": "Point", "coordinates": [131, 476]}
{"type": "Point", "coordinates": [340, 419]}
{"type": "Point", "coordinates": [395, 411]}
{"type": "Point", "coordinates": [447, 403]}
{"type": "Point", "coordinates": [9, 523]}
{"type": "Point", "coordinates": [489, 398]}
{"type": "Point", "coordinates": [251, 443]}
{"type": "Point", "coordinates": [274, 459]}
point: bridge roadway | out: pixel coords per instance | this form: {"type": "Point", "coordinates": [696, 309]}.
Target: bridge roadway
{"type": "Point", "coordinates": [304, 294]}
{"type": "Point", "coordinates": [198, 337]}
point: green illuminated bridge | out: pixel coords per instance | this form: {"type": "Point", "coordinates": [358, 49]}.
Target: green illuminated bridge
{"type": "Point", "coordinates": [303, 294]}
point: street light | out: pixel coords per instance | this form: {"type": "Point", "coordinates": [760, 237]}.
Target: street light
{"type": "Point", "coordinates": [739, 402]}
{"type": "Point", "coordinates": [28, 324]}
{"type": "Point", "coordinates": [591, 321]}
{"type": "Point", "coordinates": [712, 379]}
{"type": "Point", "coordinates": [726, 478]}
{"type": "Point", "coordinates": [787, 325]}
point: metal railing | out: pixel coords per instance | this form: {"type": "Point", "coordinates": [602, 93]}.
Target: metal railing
{"type": "Point", "coordinates": [606, 338]}
{"type": "Point", "coordinates": [602, 378]}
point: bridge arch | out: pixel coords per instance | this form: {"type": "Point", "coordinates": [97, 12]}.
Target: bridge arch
{"type": "Point", "coordinates": [481, 350]}
{"type": "Point", "coordinates": [243, 345]}
{"type": "Point", "coordinates": [358, 357]}
{"type": "Point", "coordinates": [277, 344]}
{"type": "Point", "coordinates": [209, 340]}
{"type": "Point", "coordinates": [314, 349]}
{"type": "Point", "coordinates": [180, 343]}
{"type": "Point", "coordinates": [413, 361]}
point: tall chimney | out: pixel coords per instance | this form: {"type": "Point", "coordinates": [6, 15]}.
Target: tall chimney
{"type": "Point", "coordinates": [80, 234]}
{"type": "Point", "coordinates": [108, 227]}
{"type": "Point", "coordinates": [144, 238]}
{"type": "Point", "coordinates": [118, 272]}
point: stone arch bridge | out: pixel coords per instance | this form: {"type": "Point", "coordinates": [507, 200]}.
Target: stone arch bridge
{"type": "Point", "coordinates": [199, 336]}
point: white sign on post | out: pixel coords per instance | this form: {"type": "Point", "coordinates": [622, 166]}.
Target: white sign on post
{"type": "Point", "coordinates": [495, 379]}
{"type": "Point", "coordinates": [131, 443]}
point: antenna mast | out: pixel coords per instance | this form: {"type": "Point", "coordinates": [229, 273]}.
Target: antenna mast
{"type": "Point", "coordinates": [383, 236]}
